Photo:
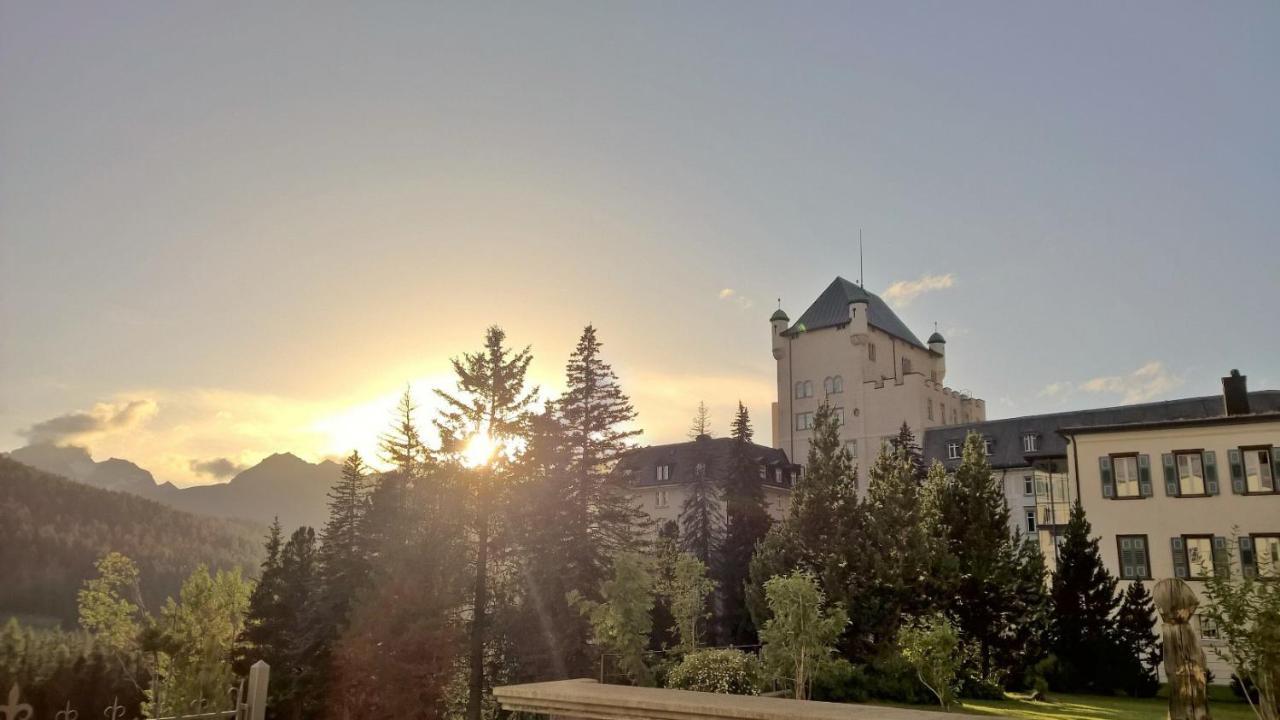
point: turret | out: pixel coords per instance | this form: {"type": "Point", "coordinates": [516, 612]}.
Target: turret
{"type": "Point", "coordinates": [938, 346]}
{"type": "Point", "coordinates": [778, 322]}
{"type": "Point", "coordinates": [858, 332]}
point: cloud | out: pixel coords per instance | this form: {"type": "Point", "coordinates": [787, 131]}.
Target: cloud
{"type": "Point", "coordinates": [80, 425]}
{"type": "Point", "coordinates": [1146, 383]}
{"type": "Point", "coordinates": [903, 292]}
{"type": "Point", "coordinates": [218, 468]}
{"type": "Point", "coordinates": [731, 295]}
{"type": "Point", "coordinates": [1151, 381]}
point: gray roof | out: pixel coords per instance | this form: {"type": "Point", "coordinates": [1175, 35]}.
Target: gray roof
{"type": "Point", "coordinates": [637, 468]}
{"type": "Point", "coordinates": [1006, 435]}
{"type": "Point", "coordinates": [831, 309]}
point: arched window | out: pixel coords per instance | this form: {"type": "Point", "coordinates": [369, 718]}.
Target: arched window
{"type": "Point", "coordinates": [828, 386]}
{"type": "Point", "coordinates": [808, 388]}
{"type": "Point", "coordinates": [837, 384]}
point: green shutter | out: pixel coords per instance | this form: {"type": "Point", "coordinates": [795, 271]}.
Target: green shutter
{"type": "Point", "coordinates": [1104, 470]}
{"type": "Point", "coordinates": [1248, 561]}
{"type": "Point", "coordinates": [1237, 471]}
{"type": "Point", "coordinates": [1275, 467]}
{"type": "Point", "coordinates": [1144, 475]}
{"type": "Point", "coordinates": [1221, 558]}
{"type": "Point", "coordinates": [1141, 570]}
{"type": "Point", "coordinates": [1179, 558]}
{"type": "Point", "coordinates": [1126, 558]}
{"type": "Point", "coordinates": [1170, 475]}
{"type": "Point", "coordinates": [1210, 460]}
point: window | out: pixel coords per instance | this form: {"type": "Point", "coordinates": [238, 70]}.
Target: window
{"type": "Point", "coordinates": [700, 470]}
{"type": "Point", "coordinates": [1199, 555]}
{"type": "Point", "coordinates": [1028, 485]}
{"type": "Point", "coordinates": [852, 447]}
{"type": "Point", "coordinates": [664, 473]}
{"type": "Point", "coordinates": [1208, 628]}
{"type": "Point", "coordinates": [660, 499]}
{"type": "Point", "coordinates": [777, 476]}
{"type": "Point", "coordinates": [1258, 473]}
{"type": "Point", "coordinates": [986, 445]}
{"type": "Point", "coordinates": [837, 384]}
{"type": "Point", "coordinates": [763, 472]}
{"type": "Point", "coordinates": [871, 352]}
{"type": "Point", "coordinates": [1125, 468]}
{"type": "Point", "coordinates": [944, 412]}
{"type": "Point", "coordinates": [804, 389]}
{"type": "Point", "coordinates": [1135, 561]}
{"type": "Point", "coordinates": [1190, 473]}
{"type": "Point", "coordinates": [1030, 442]}
{"type": "Point", "coordinates": [839, 413]}
{"type": "Point", "coordinates": [953, 416]}
{"type": "Point", "coordinates": [804, 421]}
{"type": "Point", "coordinates": [929, 406]}
{"type": "Point", "coordinates": [828, 386]}
{"type": "Point", "coordinates": [1265, 554]}
{"type": "Point", "coordinates": [1048, 515]}
{"type": "Point", "coordinates": [906, 365]}
{"type": "Point", "coordinates": [1031, 519]}
{"type": "Point", "coordinates": [953, 450]}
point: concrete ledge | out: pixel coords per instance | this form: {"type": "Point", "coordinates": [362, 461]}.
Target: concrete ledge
{"type": "Point", "coordinates": [590, 700]}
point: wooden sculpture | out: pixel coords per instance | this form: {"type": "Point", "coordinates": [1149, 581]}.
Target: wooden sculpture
{"type": "Point", "coordinates": [1184, 661]}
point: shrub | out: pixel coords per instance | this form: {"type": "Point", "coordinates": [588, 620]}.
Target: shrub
{"type": "Point", "coordinates": [929, 645]}
{"type": "Point", "coordinates": [726, 671]}
{"type": "Point", "coordinates": [890, 677]}
{"type": "Point", "coordinates": [842, 681]}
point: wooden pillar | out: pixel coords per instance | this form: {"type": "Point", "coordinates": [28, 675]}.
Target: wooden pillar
{"type": "Point", "coordinates": [1184, 661]}
{"type": "Point", "coordinates": [259, 674]}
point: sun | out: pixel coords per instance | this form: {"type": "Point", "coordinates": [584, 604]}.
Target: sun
{"type": "Point", "coordinates": [479, 451]}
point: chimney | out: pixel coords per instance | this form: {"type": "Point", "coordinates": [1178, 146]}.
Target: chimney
{"type": "Point", "coordinates": [1235, 393]}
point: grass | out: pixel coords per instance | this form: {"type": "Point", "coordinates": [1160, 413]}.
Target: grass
{"type": "Point", "coordinates": [1061, 706]}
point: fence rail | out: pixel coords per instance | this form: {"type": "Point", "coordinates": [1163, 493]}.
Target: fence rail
{"type": "Point", "coordinates": [250, 703]}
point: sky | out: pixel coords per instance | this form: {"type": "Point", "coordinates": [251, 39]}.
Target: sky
{"type": "Point", "coordinates": [235, 228]}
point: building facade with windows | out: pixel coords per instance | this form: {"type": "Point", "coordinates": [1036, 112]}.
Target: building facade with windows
{"type": "Point", "coordinates": [659, 476]}
{"type": "Point", "coordinates": [851, 350]}
{"type": "Point", "coordinates": [1183, 498]}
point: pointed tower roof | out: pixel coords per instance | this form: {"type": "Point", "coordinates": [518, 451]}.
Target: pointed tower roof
{"type": "Point", "coordinates": [831, 309]}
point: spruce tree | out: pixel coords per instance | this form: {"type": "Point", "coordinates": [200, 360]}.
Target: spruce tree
{"type": "Point", "coordinates": [975, 520]}
{"type": "Point", "coordinates": [298, 691]}
{"type": "Point", "coordinates": [746, 523]}
{"type": "Point", "coordinates": [1137, 642]}
{"type": "Point", "coordinates": [905, 443]}
{"type": "Point", "coordinates": [701, 519]}
{"type": "Point", "coordinates": [407, 495]}
{"type": "Point", "coordinates": [1084, 603]}
{"type": "Point", "coordinates": [701, 424]}
{"type": "Point", "coordinates": [1029, 640]}
{"type": "Point", "coordinates": [265, 632]}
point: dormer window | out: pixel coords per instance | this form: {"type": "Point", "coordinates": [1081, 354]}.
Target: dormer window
{"type": "Point", "coordinates": [1030, 442]}
{"type": "Point", "coordinates": [988, 443]}
{"type": "Point", "coordinates": [663, 473]}
{"type": "Point", "coordinates": [953, 450]}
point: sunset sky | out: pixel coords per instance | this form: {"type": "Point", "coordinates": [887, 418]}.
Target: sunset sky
{"type": "Point", "coordinates": [234, 228]}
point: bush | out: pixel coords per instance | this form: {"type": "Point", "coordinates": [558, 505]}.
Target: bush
{"type": "Point", "coordinates": [841, 681]}
{"type": "Point", "coordinates": [727, 671]}
{"type": "Point", "coordinates": [890, 677]}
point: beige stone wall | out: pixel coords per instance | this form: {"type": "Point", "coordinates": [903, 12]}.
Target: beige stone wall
{"type": "Point", "coordinates": [1161, 517]}
{"type": "Point", "coordinates": [876, 400]}
{"type": "Point", "coordinates": [778, 501]}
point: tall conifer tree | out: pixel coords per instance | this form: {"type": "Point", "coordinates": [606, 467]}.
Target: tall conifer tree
{"type": "Point", "coordinates": [1136, 640]}
{"type": "Point", "coordinates": [701, 519]}
{"type": "Point", "coordinates": [265, 633]}
{"type": "Point", "coordinates": [1084, 604]}
{"type": "Point", "coordinates": [746, 523]}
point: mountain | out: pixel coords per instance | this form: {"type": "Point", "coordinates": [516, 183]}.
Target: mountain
{"type": "Point", "coordinates": [54, 530]}
{"type": "Point", "coordinates": [282, 485]}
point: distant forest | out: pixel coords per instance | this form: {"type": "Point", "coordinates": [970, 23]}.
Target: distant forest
{"type": "Point", "coordinates": [53, 530]}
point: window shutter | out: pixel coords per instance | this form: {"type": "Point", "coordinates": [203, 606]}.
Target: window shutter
{"type": "Point", "coordinates": [1104, 469]}
{"type": "Point", "coordinates": [1221, 558]}
{"type": "Point", "coordinates": [1140, 557]}
{"type": "Point", "coordinates": [1237, 471]}
{"type": "Point", "coordinates": [1170, 475]}
{"type": "Point", "coordinates": [1179, 558]}
{"type": "Point", "coordinates": [1248, 561]}
{"type": "Point", "coordinates": [1210, 459]}
{"type": "Point", "coordinates": [1144, 475]}
{"type": "Point", "coordinates": [1275, 466]}
{"type": "Point", "coordinates": [1126, 558]}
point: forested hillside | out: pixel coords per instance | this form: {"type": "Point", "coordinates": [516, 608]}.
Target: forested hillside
{"type": "Point", "coordinates": [52, 530]}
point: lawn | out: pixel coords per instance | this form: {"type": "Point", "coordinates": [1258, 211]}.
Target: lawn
{"type": "Point", "coordinates": [1097, 707]}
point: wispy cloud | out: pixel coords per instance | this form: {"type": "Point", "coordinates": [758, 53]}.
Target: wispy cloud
{"type": "Point", "coordinates": [217, 468]}
{"type": "Point", "coordinates": [903, 292]}
{"type": "Point", "coordinates": [731, 295]}
{"type": "Point", "coordinates": [85, 424]}
{"type": "Point", "coordinates": [1149, 382]}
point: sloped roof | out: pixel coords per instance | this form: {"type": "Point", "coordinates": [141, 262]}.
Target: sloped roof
{"type": "Point", "coordinates": [1006, 435]}
{"type": "Point", "coordinates": [637, 467]}
{"type": "Point", "coordinates": [831, 309]}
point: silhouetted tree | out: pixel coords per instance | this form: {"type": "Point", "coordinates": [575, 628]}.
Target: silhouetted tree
{"type": "Point", "coordinates": [746, 523]}
{"type": "Point", "coordinates": [1084, 603]}
{"type": "Point", "coordinates": [1137, 642]}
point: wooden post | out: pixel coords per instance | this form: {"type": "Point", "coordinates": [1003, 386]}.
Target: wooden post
{"type": "Point", "coordinates": [1184, 661]}
{"type": "Point", "coordinates": [259, 674]}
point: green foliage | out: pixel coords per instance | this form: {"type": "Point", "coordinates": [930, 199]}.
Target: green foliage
{"type": "Point", "coordinates": [1246, 610]}
{"type": "Point", "coordinates": [621, 621]}
{"type": "Point", "coordinates": [1136, 640]}
{"type": "Point", "coordinates": [799, 638]}
{"type": "Point", "coordinates": [725, 671]}
{"type": "Point", "coordinates": [1084, 603]}
{"type": "Point", "coordinates": [111, 606]}
{"type": "Point", "coordinates": [54, 667]}
{"type": "Point", "coordinates": [55, 530]}
{"type": "Point", "coordinates": [747, 522]}
{"type": "Point", "coordinates": [701, 519]}
{"type": "Point", "coordinates": [930, 646]}
{"type": "Point", "coordinates": [687, 592]}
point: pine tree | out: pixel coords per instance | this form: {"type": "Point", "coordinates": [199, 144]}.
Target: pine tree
{"type": "Point", "coordinates": [406, 496]}
{"type": "Point", "coordinates": [1084, 602]}
{"type": "Point", "coordinates": [905, 443]}
{"type": "Point", "coordinates": [701, 425]}
{"type": "Point", "coordinates": [975, 521]}
{"type": "Point", "coordinates": [1137, 642]}
{"type": "Point", "coordinates": [1029, 641]}
{"type": "Point", "coordinates": [747, 521]}
{"type": "Point", "coordinates": [299, 581]}
{"type": "Point", "coordinates": [701, 519]}
{"type": "Point", "coordinates": [264, 636]}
